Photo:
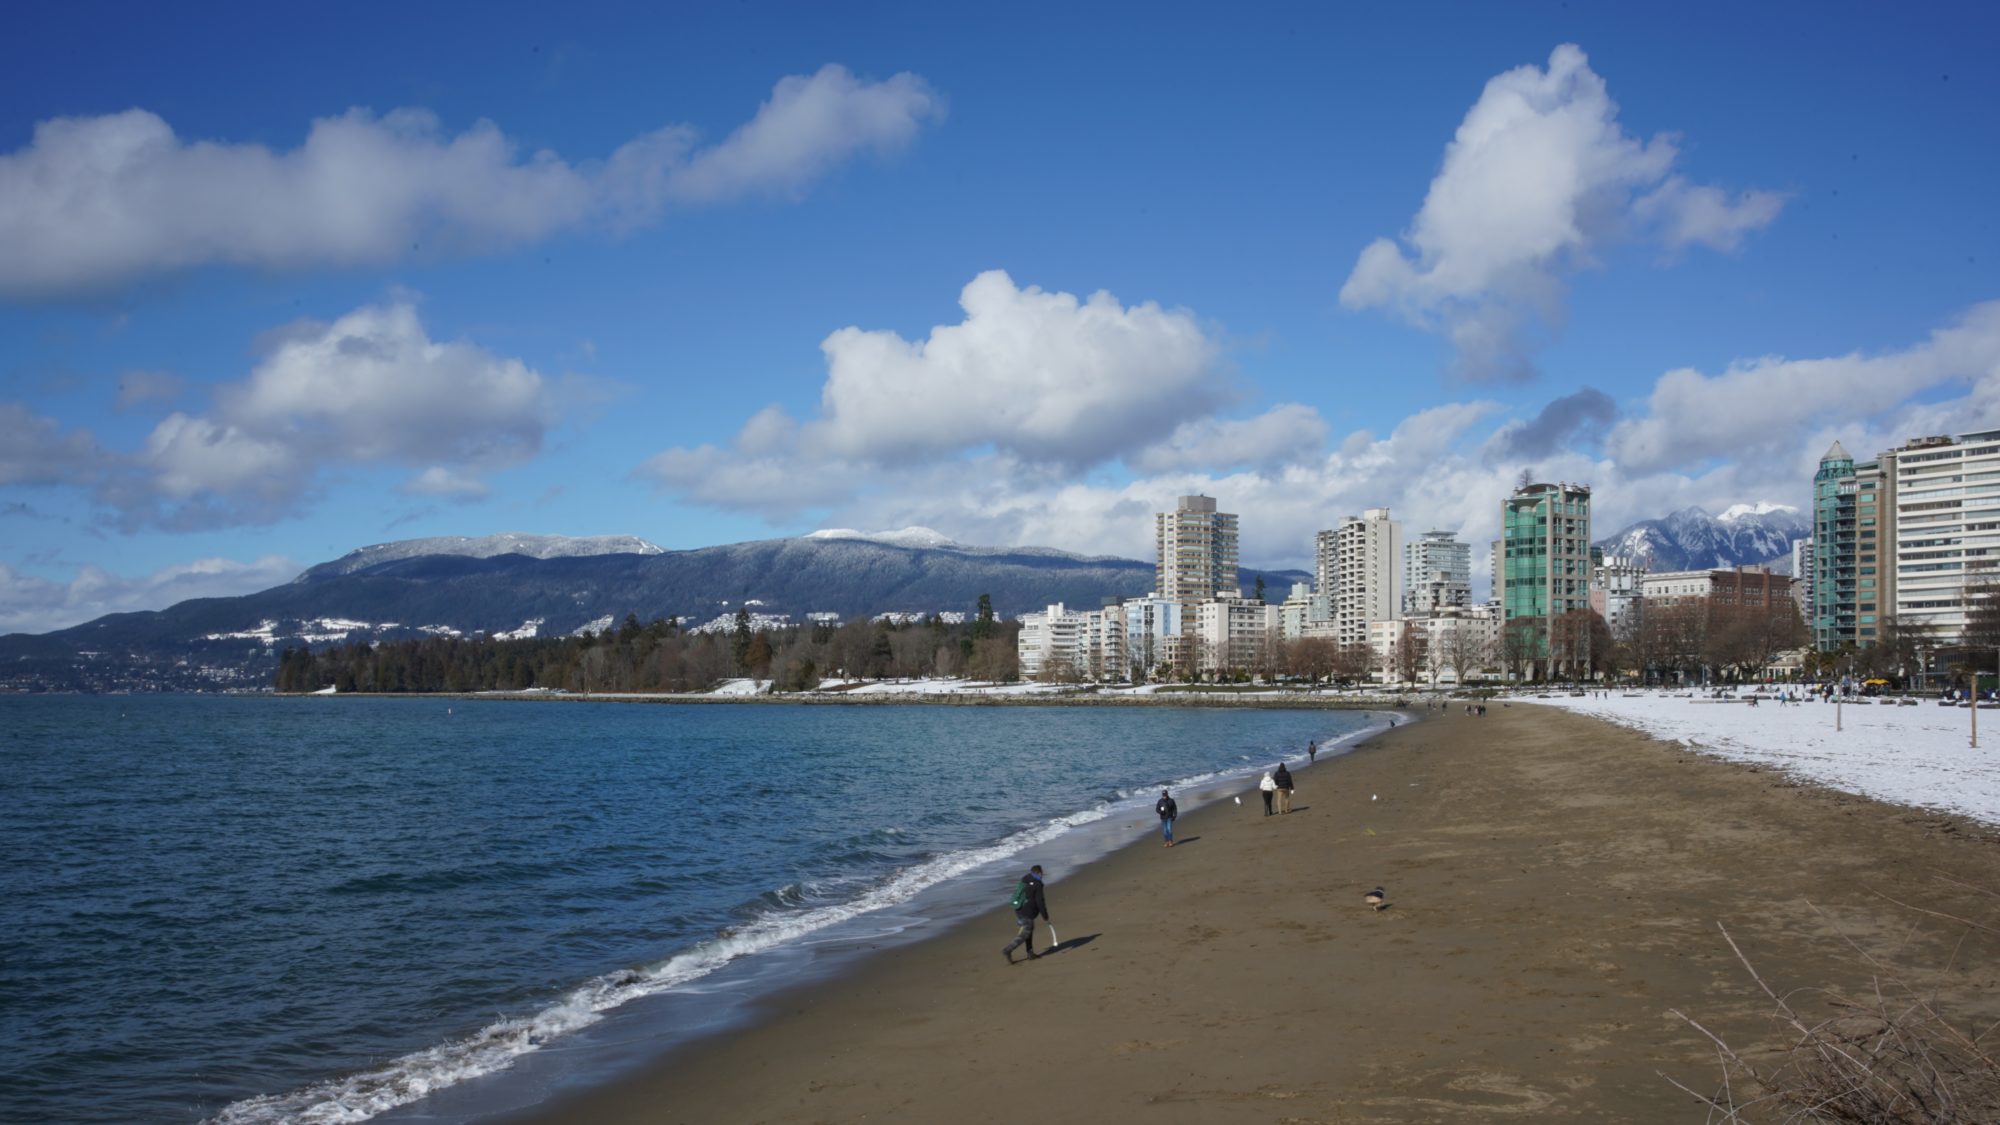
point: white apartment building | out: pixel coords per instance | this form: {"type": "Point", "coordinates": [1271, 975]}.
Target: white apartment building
{"type": "Point", "coordinates": [1386, 640]}
{"type": "Point", "coordinates": [1055, 639]}
{"type": "Point", "coordinates": [1104, 641]}
{"type": "Point", "coordinates": [1616, 594]}
{"type": "Point", "coordinates": [1437, 572]}
{"type": "Point", "coordinates": [1195, 546]}
{"type": "Point", "coordinates": [1360, 563]}
{"type": "Point", "coordinates": [1068, 644]}
{"type": "Point", "coordinates": [1232, 633]}
{"type": "Point", "coordinates": [1946, 530]}
{"type": "Point", "coordinates": [1454, 636]}
{"type": "Point", "coordinates": [1802, 576]}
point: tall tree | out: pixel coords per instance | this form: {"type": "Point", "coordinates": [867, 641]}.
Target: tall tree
{"type": "Point", "coordinates": [742, 639]}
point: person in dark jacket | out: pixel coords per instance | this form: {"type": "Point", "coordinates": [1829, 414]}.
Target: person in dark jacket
{"type": "Point", "coordinates": [1033, 904]}
{"type": "Point", "coordinates": [1283, 777]}
{"type": "Point", "coordinates": [1168, 811]}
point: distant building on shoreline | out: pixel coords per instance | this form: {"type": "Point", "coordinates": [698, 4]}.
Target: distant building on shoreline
{"type": "Point", "coordinates": [1360, 564]}
{"type": "Point", "coordinates": [1543, 578]}
{"type": "Point", "coordinates": [1904, 544]}
{"type": "Point", "coordinates": [1437, 573]}
{"type": "Point", "coordinates": [1195, 546]}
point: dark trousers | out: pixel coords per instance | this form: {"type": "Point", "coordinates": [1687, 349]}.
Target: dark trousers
{"type": "Point", "coordinates": [1025, 937]}
{"type": "Point", "coordinates": [1267, 801]}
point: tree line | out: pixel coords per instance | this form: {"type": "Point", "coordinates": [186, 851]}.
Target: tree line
{"type": "Point", "coordinates": [661, 656]}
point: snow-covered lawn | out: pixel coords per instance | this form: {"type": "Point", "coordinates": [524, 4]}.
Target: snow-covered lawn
{"type": "Point", "coordinates": [1909, 755]}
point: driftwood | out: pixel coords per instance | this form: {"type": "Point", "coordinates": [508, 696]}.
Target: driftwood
{"type": "Point", "coordinates": [1889, 1056]}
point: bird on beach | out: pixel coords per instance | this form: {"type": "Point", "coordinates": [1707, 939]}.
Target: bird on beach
{"type": "Point", "coordinates": [1375, 898]}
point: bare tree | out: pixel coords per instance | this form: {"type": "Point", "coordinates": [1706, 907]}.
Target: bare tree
{"type": "Point", "coordinates": [1315, 658]}
{"type": "Point", "coordinates": [1407, 653]}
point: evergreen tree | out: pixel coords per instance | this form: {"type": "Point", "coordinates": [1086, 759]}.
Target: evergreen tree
{"type": "Point", "coordinates": [743, 639]}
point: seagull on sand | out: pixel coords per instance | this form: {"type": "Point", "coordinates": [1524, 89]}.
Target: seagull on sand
{"type": "Point", "coordinates": [1374, 898]}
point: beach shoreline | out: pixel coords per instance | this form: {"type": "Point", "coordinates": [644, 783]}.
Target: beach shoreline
{"type": "Point", "coordinates": [1274, 700]}
{"type": "Point", "coordinates": [1555, 886]}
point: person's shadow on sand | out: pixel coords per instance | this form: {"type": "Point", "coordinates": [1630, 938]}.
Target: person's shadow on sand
{"type": "Point", "coordinates": [1184, 841]}
{"type": "Point", "coordinates": [1299, 808]}
{"type": "Point", "coordinates": [1072, 943]}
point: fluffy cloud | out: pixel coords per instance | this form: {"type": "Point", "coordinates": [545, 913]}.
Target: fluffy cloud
{"type": "Point", "coordinates": [1041, 375]}
{"type": "Point", "coordinates": [1045, 380]}
{"type": "Point", "coordinates": [371, 388]}
{"type": "Point", "coordinates": [37, 605]}
{"type": "Point", "coordinates": [1757, 410]}
{"type": "Point", "coordinates": [1538, 177]}
{"type": "Point", "coordinates": [1279, 436]}
{"type": "Point", "coordinates": [94, 202]}
{"type": "Point", "coordinates": [1751, 434]}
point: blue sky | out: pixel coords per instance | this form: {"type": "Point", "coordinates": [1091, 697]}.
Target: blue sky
{"type": "Point", "coordinates": [275, 285]}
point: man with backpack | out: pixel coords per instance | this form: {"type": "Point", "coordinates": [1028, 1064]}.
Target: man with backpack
{"type": "Point", "coordinates": [1168, 811]}
{"type": "Point", "coordinates": [1028, 903]}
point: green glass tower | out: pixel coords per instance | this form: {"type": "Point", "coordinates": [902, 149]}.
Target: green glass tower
{"type": "Point", "coordinates": [1834, 540]}
{"type": "Point", "coordinates": [1544, 587]}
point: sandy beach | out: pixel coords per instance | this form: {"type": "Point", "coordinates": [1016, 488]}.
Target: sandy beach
{"type": "Point", "coordinates": [1555, 886]}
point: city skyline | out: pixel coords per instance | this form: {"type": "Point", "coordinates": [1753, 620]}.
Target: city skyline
{"type": "Point", "coordinates": [701, 279]}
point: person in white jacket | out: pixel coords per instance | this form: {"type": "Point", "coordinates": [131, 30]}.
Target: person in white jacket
{"type": "Point", "coordinates": [1269, 786]}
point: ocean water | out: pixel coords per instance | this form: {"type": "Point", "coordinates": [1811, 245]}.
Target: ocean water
{"type": "Point", "coordinates": [257, 910]}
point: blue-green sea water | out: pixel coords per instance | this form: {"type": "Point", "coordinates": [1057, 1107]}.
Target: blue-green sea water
{"type": "Point", "coordinates": [259, 909]}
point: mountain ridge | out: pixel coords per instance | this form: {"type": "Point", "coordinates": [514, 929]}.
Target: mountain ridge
{"type": "Point", "coordinates": [1692, 539]}
{"type": "Point", "coordinates": [386, 593]}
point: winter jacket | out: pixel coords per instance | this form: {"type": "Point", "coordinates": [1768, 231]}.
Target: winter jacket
{"type": "Point", "coordinates": [1036, 904]}
{"type": "Point", "coordinates": [1283, 778]}
{"type": "Point", "coordinates": [1167, 809]}
{"type": "Point", "coordinates": [1267, 785]}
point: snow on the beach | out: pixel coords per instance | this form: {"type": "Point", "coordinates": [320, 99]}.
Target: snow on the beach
{"type": "Point", "coordinates": [1917, 755]}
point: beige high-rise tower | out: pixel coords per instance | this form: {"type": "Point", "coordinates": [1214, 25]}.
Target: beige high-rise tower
{"type": "Point", "coordinates": [1196, 551]}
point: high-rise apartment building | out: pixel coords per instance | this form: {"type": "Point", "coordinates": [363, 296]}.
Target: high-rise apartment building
{"type": "Point", "coordinates": [1196, 550]}
{"type": "Point", "coordinates": [1437, 573]}
{"type": "Point", "coordinates": [1943, 496]}
{"type": "Point", "coordinates": [1832, 618]}
{"type": "Point", "coordinates": [1360, 564]}
{"type": "Point", "coordinates": [1802, 578]}
{"type": "Point", "coordinates": [1544, 584]}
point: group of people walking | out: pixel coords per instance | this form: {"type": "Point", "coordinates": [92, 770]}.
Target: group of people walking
{"type": "Point", "coordinates": [1030, 901]}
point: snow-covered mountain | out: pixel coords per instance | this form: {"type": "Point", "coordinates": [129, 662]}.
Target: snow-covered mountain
{"type": "Point", "coordinates": [1691, 539]}
{"type": "Point", "coordinates": [484, 547]}
{"type": "Point", "coordinates": [542, 586]}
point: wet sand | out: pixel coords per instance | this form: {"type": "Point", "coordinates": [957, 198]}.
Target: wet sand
{"type": "Point", "coordinates": [1555, 885]}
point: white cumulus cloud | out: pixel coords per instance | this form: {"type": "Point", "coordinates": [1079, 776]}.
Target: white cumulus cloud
{"type": "Point", "coordinates": [370, 388]}
{"type": "Point", "coordinates": [1048, 381]}
{"type": "Point", "coordinates": [1539, 177]}
{"type": "Point", "coordinates": [1283, 434]}
{"type": "Point", "coordinates": [95, 202]}
{"type": "Point", "coordinates": [1757, 410]}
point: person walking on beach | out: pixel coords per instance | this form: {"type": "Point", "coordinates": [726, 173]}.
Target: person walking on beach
{"type": "Point", "coordinates": [1168, 811]}
{"type": "Point", "coordinates": [1282, 778]}
{"type": "Point", "coordinates": [1269, 787]}
{"type": "Point", "coordinates": [1028, 903]}
{"type": "Point", "coordinates": [1312, 752]}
